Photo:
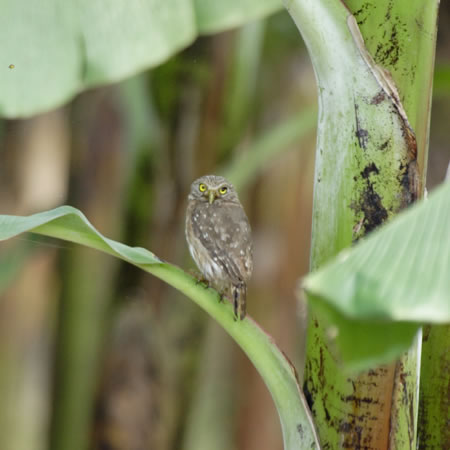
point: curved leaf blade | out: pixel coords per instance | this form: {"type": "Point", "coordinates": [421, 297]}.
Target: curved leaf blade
{"type": "Point", "coordinates": [278, 373]}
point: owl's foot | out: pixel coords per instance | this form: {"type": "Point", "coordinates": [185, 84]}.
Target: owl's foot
{"type": "Point", "coordinates": [200, 279]}
{"type": "Point", "coordinates": [239, 301]}
{"type": "Point", "coordinates": [203, 281]}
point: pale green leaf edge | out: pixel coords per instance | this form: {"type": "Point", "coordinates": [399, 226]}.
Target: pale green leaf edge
{"type": "Point", "coordinates": [213, 16]}
{"type": "Point", "coordinates": [70, 224]}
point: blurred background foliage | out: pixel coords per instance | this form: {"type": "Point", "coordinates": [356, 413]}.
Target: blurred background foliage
{"type": "Point", "coordinates": [93, 352]}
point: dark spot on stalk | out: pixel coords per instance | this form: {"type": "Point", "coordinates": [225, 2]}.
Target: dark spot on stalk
{"type": "Point", "coordinates": [378, 98]}
{"type": "Point", "coordinates": [363, 10]}
{"type": "Point", "coordinates": [358, 431]}
{"type": "Point", "coordinates": [321, 374]}
{"type": "Point", "coordinates": [352, 435]}
{"type": "Point", "coordinates": [384, 145]}
{"type": "Point", "coordinates": [357, 401]}
{"type": "Point", "coordinates": [345, 427]}
{"type": "Point", "coordinates": [389, 53]}
{"type": "Point", "coordinates": [363, 137]}
{"type": "Point", "coordinates": [361, 134]}
{"type": "Point", "coordinates": [308, 396]}
{"type": "Point", "coordinates": [388, 12]}
{"type": "Point", "coordinates": [327, 414]}
{"type": "Point", "coordinates": [371, 168]}
{"type": "Point", "coordinates": [370, 204]}
{"type": "Point", "coordinates": [408, 179]}
{"type": "Point", "coordinates": [372, 207]}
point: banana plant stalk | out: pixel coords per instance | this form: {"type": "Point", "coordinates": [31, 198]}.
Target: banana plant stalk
{"type": "Point", "coordinates": [374, 67]}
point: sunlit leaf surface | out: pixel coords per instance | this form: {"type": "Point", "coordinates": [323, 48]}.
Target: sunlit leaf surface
{"type": "Point", "coordinates": [51, 50]}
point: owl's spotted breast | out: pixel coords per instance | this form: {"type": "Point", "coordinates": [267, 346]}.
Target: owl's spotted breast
{"type": "Point", "coordinates": [224, 233]}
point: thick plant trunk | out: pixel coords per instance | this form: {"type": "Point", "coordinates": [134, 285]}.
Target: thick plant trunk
{"type": "Point", "coordinates": [370, 164]}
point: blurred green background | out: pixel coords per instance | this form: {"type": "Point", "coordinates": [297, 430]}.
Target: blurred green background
{"type": "Point", "coordinates": [95, 353]}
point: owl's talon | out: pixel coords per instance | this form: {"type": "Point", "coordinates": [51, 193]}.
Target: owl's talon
{"type": "Point", "coordinates": [236, 312]}
{"type": "Point", "coordinates": [200, 279]}
{"type": "Point", "coordinates": [203, 281]}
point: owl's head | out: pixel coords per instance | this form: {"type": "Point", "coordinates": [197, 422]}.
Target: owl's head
{"type": "Point", "coordinates": [212, 188]}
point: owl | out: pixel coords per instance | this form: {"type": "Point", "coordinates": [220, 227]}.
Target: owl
{"type": "Point", "coordinates": [219, 238]}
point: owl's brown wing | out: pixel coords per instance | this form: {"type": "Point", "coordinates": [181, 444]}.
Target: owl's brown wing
{"type": "Point", "coordinates": [224, 232]}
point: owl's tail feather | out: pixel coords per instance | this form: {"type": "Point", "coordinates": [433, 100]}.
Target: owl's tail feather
{"type": "Point", "coordinates": [240, 300]}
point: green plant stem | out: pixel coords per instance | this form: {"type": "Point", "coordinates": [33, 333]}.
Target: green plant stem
{"type": "Point", "coordinates": [434, 408]}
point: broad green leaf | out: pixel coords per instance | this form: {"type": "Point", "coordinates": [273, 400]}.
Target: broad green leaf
{"type": "Point", "coordinates": [377, 294]}
{"type": "Point", "coordinates": [52, 50]}
{"type": "Point", "coordinates": [279, 375]}
{"type": "Point", "coordinates": [213, 15]}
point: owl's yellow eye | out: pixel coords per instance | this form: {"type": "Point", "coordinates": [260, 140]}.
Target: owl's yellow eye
{"type": "Point", "coordinates": [202, 187]}
{"type": "Point", "coordinates": [223, 190]}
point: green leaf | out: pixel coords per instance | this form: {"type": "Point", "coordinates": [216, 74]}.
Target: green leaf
{"type": "Point", "coordinates": [213, 16]}
{"type": "Point", "coordinates": [376, 295]}
{"type": "Point", "coordinates": [279, 375]}
{"type": "Point", "coordinates": [52, 50]}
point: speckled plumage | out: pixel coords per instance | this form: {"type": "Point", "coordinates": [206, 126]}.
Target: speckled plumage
{"type": "Point", "coordinates": [219, 238]}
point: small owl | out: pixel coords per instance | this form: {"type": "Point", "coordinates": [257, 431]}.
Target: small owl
{"type": "Point", "coordinates": [219, 238]}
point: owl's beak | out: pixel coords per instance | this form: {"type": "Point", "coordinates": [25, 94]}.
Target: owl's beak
{"type": "Point", "coordinates": [211, 196]}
